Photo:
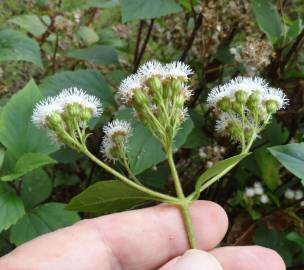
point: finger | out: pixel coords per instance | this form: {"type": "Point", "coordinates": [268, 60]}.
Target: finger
{"type": "Point", "coordinates": [194, 260]}
{"type": "Point", "coordinates": [141, 239]}
{"type": "Point", "coordinates": [248, 258]}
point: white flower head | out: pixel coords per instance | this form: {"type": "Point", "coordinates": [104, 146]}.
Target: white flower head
{"type": "Point", "coordinates": [73, 95]}
{"type": "Point", "coordinates": [177, 69]}
{"type": "Point", "coordinates": [246, 84]}
{"type": "Point", "coordinates": [299, 194]}
{"type": "Point", "coordinates": [257, 185]}
{"type": "Point", "coordinates": [118, 127]}
{"type": "Point", "coordinates": [107, 147]}
{"type": "Point", "coordinates": [44, 109]}
{"type": "Point", "coordinates": [224, 120]}
{"type": "Point", "coordinates": [259, 190]}
{"type": "Point", "coordinates": [127, 87]}
{"type": "Point", "coordinates": [249, 192]}
{"type": "Point", "coordinates": [150, 69]}
{"type": "Point", "coordinates": [54, 137]}
{"type": "Point", "coordinates": [277, 95]}
{"type": "Point", "coordinates": [289, 194]}
{"type": "Point", "coordinates": [264, 199]}
{"type": "Point", "coordinates": [184, 114]}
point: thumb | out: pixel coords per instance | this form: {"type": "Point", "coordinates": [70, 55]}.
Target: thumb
{"type": "Point", "coordinates": [194, 259]}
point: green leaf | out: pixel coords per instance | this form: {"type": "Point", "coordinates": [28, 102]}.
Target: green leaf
{"type": "Point", "coordinates": [220, 166]}
{"type": "Point", "coordinates": [36, 188]}
{"type": "Point", "coordinates": [11, 207]}
{"type": "Point", "coordinates": [108, 197]}
{"type": "Point", "coordinates": [32, 23]}
{"type": "Point", "coordinates": [143, 9]}
{"type": "Point", "coordinates": [268, 168]}
{"type": "Point", "coordinates": [291, 156]}
{"type": "Point", "coordinates": [27, 163]}
{"type": "Point", "coordinates": [89, 80]}
{"type": "Point", "coordinates": [99, 54]}
{"type": "Point", "coordinates": [268, 18]}
{"type": "Point", "coordinates": [87, 35]}
{"type": "Point", "coordinates": [43, 219]}
{"type": "Point", "coordinates": [15, 46]}
{"type": "Point", "coordinates": [2, 154]}
{"type": "Point", "coordinates": [18, 134]}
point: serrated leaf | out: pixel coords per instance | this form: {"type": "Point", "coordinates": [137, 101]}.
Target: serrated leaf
{"type": "Point", "coordinates": [36, 188]}
{"type": "Point", "coordinates": [15, 46]}
{"type": "Point", "coordinates": [43, 219]}
{"type": "Point", "coordinates": [32, 23]}
{"type": "Point", "coordinates": [291, 156]}
{"type": "Point", "coordinates": [220, 166]}
{"type": "Point", "coordinates": [11, 207]}
{"type": "Point", "coordinates": [143, 9]}
{"type": "Point", "coordinates": [27, 163]}
{"type": "Point", "coordinates": [268, 18]}
{"type": "Point", "coordinates": [108, 197]}
{"type": "Point", "coordinates": [18, 134]}
{"type": "Point", "coordinates": [99, 54]}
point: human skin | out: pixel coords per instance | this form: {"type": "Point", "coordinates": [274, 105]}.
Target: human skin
{"type": "Point", "coordinates": [146, 239]}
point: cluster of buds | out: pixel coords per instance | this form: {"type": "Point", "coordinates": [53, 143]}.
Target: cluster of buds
{"type": "Point", "coordinates": [257, 192]}
{"type": "Point", "coordinates": [245, 105]}
{"type": "Point", "coordinates": [291, 194]}
{"type": "Point", "coordinates": [115, 142]}
{"type": "Point", "coordinates": [211, 154]}
{"type": "Point", "coordinates": [67, 114]}
{"type": "Point", "coordinates": [158, 93]}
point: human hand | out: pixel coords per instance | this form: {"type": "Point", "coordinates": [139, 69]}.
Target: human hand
{"type": "Point", "coordinates": [146, 239]}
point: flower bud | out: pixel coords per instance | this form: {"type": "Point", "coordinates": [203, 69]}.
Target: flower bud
{"type": "Point", "coordinates": [224, 104]}
{"type": "Point", "coordinates": [155, 84]}
{"type": "Point", "coordinates": [240, 96]}
{"type": "Point", "coordinates": [176, 85]}
{"type": "Point", "coordinates": [253, 101]}
{"type": "Point", "coordinates": [54, 120]}
{"type": "Point", "coordinates": [140, 97]}
{"type": "Point", "coordinates": [271, 106]}
{"type": "Point", "coordinates": [237, 107]}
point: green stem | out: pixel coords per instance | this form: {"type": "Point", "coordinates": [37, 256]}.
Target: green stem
{"type": "Point", "coordinates": [185, 205]}
{"type": "Point", "coordinates": [125, 163]}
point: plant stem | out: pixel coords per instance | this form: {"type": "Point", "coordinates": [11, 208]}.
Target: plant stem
{"type": "Point", "coordinates": [185, 205]}
{"type": "Point", "coordinates": [155, 194]}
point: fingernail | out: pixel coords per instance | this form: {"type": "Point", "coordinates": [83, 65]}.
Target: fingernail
{"type": "Point", "coordinates": [195, 259]}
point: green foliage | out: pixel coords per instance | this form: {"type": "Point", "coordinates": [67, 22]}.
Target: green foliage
{"type": "Point", "coordinates": [141, 9]}
{"type": "Point", "coordinates": [107, 197]}
{"type": "Point", "coordinates": [15, 46]}
{"type": "Point", "coordinates": [42, 219]}
{"type": "Point", "coordinates": [291, 156]}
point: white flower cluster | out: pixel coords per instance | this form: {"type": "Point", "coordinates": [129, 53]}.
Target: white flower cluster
{"type": "Point", "coordinates": [60, 103]}
{"type": "Point", "coordinates": [257, 191]}
{"type": "Point", "coordinates": [115, 141]}
{"type": "Point", "coordinates": [150, 69]}
{"type": "Point", "coordinates": [291, 194]}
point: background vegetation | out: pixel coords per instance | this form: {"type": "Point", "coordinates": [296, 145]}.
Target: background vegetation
{"type": "Point", "coordinates": [92, 44]}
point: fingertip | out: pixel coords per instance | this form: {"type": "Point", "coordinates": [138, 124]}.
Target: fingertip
{"type": "Point", "coordinates": [271, 256]}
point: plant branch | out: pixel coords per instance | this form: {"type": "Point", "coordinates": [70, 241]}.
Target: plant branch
{"type": "Point", "coordinates": [138, 40]}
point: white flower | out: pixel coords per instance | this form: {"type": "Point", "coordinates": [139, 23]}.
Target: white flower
{"type": "Point", "coordinates": [44, 109]}
{"type": "Point", "coordinates": [277, 95]}
{"type": "Point", "coordinates": [209, 164]}
{"type": "Point", "coordinates": [73, 95]}
{"type": "Point", "coordinates": [184, 114]}
{"type": "Point", "coordinates": [246, 84]}
{"type": "Point", "coordinates": [225, 119]}
{"type": "Point", "coordinates": [302, 204]}
{"type": "Point", "coordinates": [177, 69]}
{"type": "Point", "coordinates": [264, 199]}
{"type": "Point", "coordinates": [127, 87]}
{"type": "Point", "coordinates": [107, 147]}
{"type": "Point", "coordinates": [257, 185]}
{"type": "Point", "coordinates": [258, 188]}
{"type": "Point", "coordinates": [289, 194]}
{"type": "Point", "coordinates": [150, 69]}
{"type": "Point", "coordinates": [202, 153]}
{"type": "Point", "coordinates": [249, 192]}
{"type": "Point", "coordinates": [115, 127]}
{"type": "Point", "coordinates": [299, 194]}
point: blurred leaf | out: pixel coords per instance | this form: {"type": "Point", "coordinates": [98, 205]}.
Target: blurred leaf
{"type": "Point", "coordinates": [102, 3]}
{"type": "Point", "coordinates": [42, 219]}
{"type": "Point", "coordinates": [216, 169]}
{"type": "Point", "coordinates": [87, 35]}
{"type": "Point", "coordinates": [268, 167]}
{"type": "Point", "coordinates": [32, 23]}
{"type": "Point", "coordinates": [141, 9]}
{"type": "Point", "coordinates": [5, 245]}
{"type": "Point", "coordinates": [99, 54]}
{"type": "Point", "coordinates": [275, 133]}
{"type": "Point", "coordinates": [268, 18]}
{"type": "Point", "coordinates": [36, 187]}
{"type": "Point", "coordinates": [296, 238]}
{"type": "Point", "coordinates": [108, 197]}
{"type": "Point", "coordinates": [291, 156]}
{"type": "Point", "coordinates": [89, 80]}
{"type": "Point", "coordinates": [11, 207]}
{"type": "Point", "coordinates": [15, 46]}
{"type": "Point", "coordinates": [2, 154]}
{"type": "Point", "coordinates": [27, 163]}
{"type": "Point", "coordinates": [18, 134]}
{"type": "Point", "coordinates": [274, 240]}
{"type": "Point", "coordinates": [156, 177]}
{"type": "Point", "coordinates": [294, 29]}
